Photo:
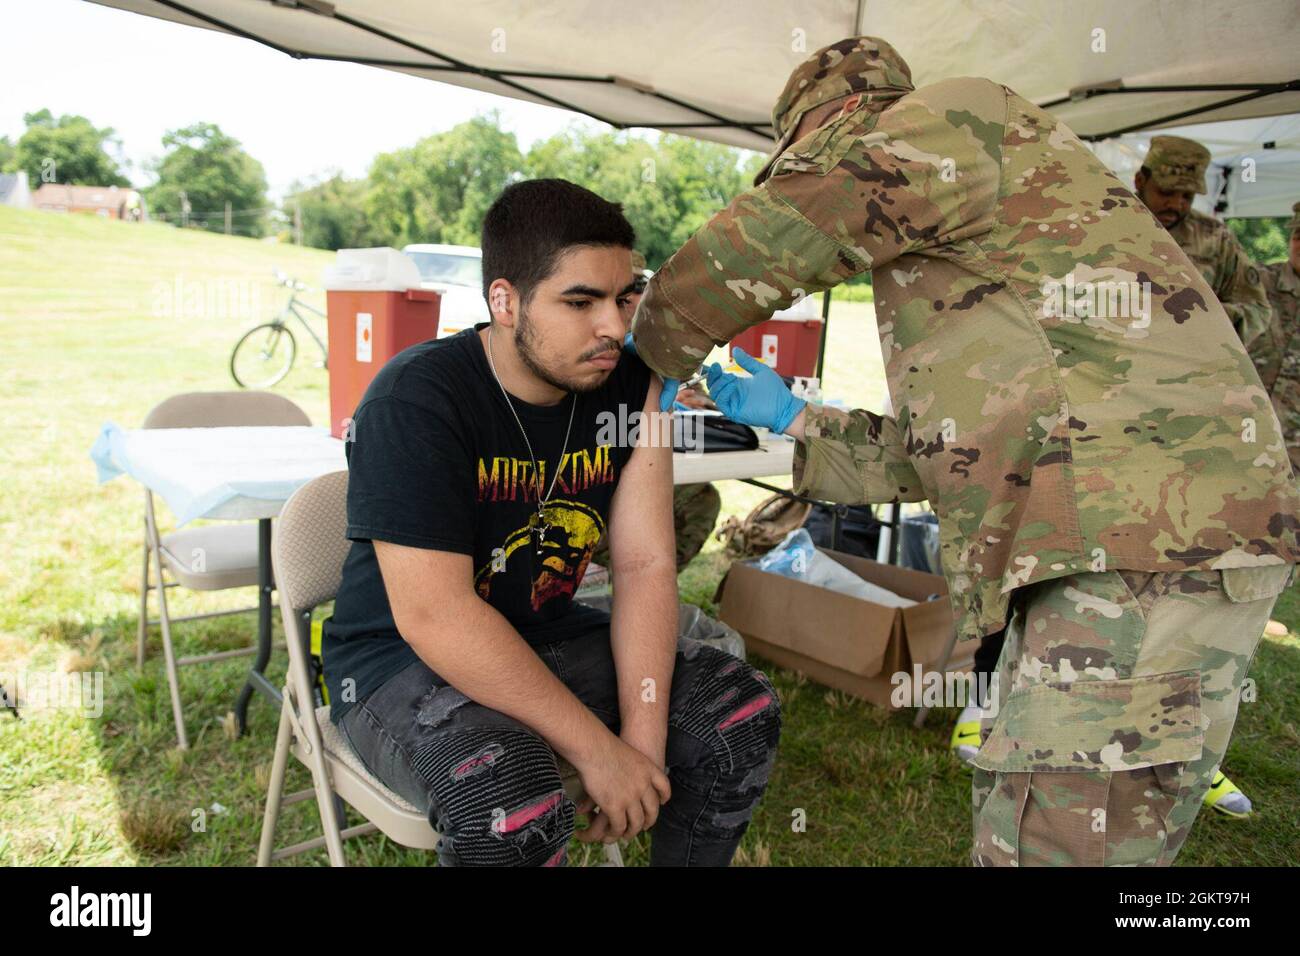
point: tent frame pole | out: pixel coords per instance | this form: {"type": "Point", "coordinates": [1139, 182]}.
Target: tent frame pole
{"type": "Point", "coordinates": [1255, 91]}
{"type": "Point", "coordinates": [821, 346]}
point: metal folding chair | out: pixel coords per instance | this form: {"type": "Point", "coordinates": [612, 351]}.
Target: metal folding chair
{"type": "Point", "coordinates": [209, 558]}
{"type": "Point", "coordinates": [308, 550]}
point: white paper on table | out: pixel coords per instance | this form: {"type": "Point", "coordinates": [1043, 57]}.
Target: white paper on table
{"type": "Point", "coordinates": [231, 473]}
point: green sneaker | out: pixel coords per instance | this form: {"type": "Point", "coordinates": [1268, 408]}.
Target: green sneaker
{"type": "Point", "coordinates": [1225, 797]}
{"type": "Point", "coordinates": [965, 741]}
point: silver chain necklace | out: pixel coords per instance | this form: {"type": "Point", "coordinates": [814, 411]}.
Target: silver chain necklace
{"type": "Point", "coordinates": [538, 526]}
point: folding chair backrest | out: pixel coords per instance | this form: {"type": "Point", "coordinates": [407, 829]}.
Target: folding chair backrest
{"type": "Point", "coordinates": [224, 409]}
{"type": "Point", "coordinates": [307, 550]}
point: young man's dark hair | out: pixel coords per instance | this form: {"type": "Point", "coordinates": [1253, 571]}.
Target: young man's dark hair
{"type": "Point", "coordinates": [532, 223]}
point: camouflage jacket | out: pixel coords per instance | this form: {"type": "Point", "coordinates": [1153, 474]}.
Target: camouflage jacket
{"type": "Point", "coordinates": [1235, 279]}
{"type": "Point", "coordinates": [1049, 441]}
{"type": "Point", "coordinates": [1282, 286]}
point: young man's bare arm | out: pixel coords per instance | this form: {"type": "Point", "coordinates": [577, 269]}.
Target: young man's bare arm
{"type": "Point", "coordinates": [473, 647]}
{"type": "Point", "coordinates": [643, 632]}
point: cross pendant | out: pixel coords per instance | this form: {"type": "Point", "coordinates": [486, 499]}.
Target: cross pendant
{"type": "Point", "coordinates": [539, 529]}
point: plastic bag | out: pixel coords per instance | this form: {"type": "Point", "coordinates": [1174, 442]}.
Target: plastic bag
{"type": "Point", "coordinates": [792, 556]}
{"type": "Point", "coordinates": [797, 557]}
{"type": "Point", "coordinates": [692, 624]}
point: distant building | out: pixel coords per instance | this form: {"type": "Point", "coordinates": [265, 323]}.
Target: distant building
{"type": "Point", "coordinates": [14, 190]}
{"type": "Point", "coordinates": [111, 202]}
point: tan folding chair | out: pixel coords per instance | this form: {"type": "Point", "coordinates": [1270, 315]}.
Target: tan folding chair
{"type": "Point", "coordinates": [229, 551]}
{"type": "Point", "coordinates": [308, 549]}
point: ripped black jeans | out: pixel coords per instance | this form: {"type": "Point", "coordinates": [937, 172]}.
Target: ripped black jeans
{"type": "Point", "coordinates": [492, 788]}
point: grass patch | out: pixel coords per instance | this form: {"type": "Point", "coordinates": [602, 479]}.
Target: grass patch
{"type": "Point", "coordinates": [90, 337]}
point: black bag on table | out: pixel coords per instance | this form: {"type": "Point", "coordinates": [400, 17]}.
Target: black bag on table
{"type": "Point", "coordinates": [719, 434]}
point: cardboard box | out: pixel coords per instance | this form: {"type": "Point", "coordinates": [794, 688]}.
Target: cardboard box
{"type": "Point", "coordinates": [841, 641]}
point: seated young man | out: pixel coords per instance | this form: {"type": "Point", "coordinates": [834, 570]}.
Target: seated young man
{"type": "Point", "coordinates": [457, 663]}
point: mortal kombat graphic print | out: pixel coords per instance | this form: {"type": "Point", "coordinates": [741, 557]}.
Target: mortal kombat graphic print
{"type": "Point", "coordinates": [553, 552]}
{"type": "Point", "coordinates": [438, 461]}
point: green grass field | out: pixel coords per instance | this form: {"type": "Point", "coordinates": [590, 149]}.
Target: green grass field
{"type": "Point", "coordinates": [95, 331]}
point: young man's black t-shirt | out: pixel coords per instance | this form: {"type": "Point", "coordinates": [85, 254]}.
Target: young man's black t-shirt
{"type": "Point", "coordinates": [437, 461]}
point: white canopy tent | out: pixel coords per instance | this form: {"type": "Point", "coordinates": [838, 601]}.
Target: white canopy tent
{"type": "Point", "coordinates": [713, 70]}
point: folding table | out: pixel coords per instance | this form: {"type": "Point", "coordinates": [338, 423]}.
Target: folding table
{"type": "Point", "coordinates": [233, 474]}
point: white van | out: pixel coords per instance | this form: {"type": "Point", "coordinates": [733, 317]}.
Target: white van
{"type": "Point", "coordinates": [457, 273]}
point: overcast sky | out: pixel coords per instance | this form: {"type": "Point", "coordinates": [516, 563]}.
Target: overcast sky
{"type": "Point", "coordinates": [143, 76]}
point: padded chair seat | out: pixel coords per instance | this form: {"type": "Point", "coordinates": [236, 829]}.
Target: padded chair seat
{"type": "Point", "coordinates": [337, 745]}
{"type": "Point", "coordinates": [229, 553]}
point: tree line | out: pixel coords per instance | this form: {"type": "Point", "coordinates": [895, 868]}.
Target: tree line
{"type": "Point", "coordinates": [436, 190]}
{"type": "Point", "coordinates": [439, 189]}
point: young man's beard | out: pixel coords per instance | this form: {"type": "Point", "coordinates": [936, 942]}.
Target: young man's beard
{"type": "Point", "coordinates": [526, 344]}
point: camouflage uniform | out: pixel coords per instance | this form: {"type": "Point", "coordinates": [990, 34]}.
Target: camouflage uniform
{"type": "Point", "coordinates": [1055, 447]}
{"type": "Point", "coordinates": [1176, 163]}
{"type": "Point", "coordinates": [1118, 695]}
{"type": "Point", "coordinates": [695, 512]}
{"type": "Point", "coordinates": [1282, 285]}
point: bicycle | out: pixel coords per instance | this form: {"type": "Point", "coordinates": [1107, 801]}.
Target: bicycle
{"type": "Point", "coordinates": [265, 353]}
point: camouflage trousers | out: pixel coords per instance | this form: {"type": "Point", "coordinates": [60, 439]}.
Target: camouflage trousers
{"type": "Point", "coordinates": [1116, 696]}
{"type": "Point", "coordinates": [695, 511]}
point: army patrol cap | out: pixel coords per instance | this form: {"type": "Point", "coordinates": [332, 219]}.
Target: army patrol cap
{"type": "Point", "coordinates": [1294, 224]}
{"type": "Point", "coordinates": [856, 65]}
{"type": "Point", "coordinates": [1177, 164]}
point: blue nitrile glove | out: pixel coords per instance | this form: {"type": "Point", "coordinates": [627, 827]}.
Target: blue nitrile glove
{"type": "Point", "coordinates": [763, 400]}
{"type": "Point", "coordinates": [670, 384]}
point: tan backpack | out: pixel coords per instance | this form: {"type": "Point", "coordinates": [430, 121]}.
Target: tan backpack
{"type": "Point", "coordinates": [764, 527]}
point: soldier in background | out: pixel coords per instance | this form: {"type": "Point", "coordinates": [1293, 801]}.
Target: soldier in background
{"type": "Point", "coordinates": [695, 506]}
{"type": "Point", "coordinates": [1098, 494]}
{"type": "Point", "coordinates": [1281, 282]}
{"type": "Point", "coordinates": [1171, 176]}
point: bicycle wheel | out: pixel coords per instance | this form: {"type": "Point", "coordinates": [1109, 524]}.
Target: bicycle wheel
{"type": "Point", "coordinates": [263, 355]}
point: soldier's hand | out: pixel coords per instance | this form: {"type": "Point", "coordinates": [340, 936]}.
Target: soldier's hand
{"type": "Point", "coordinates": [762, 400]}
